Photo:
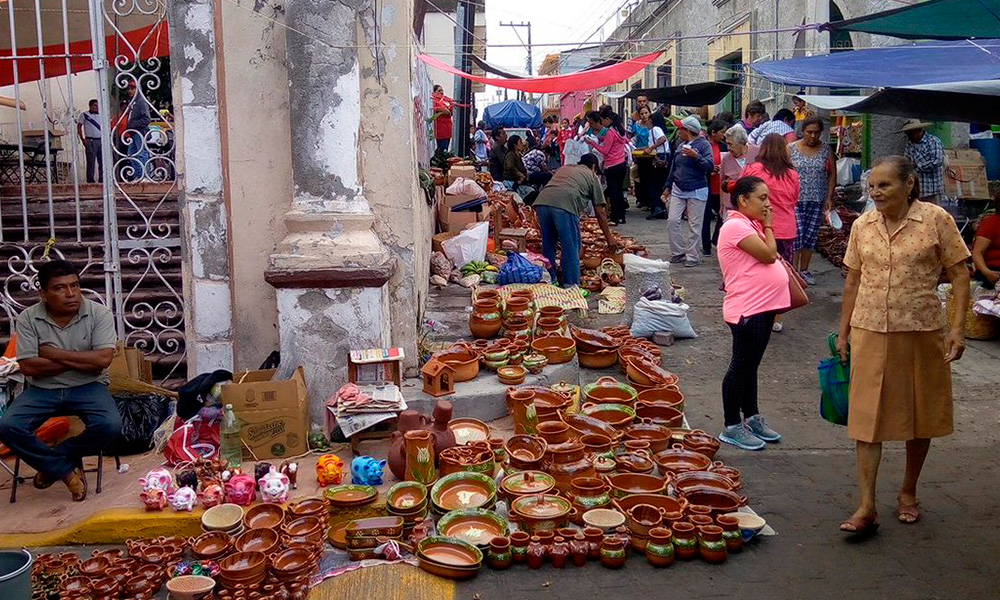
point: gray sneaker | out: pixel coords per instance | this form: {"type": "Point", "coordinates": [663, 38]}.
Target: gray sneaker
{"type": "Point", "coordinates": [741, 437]}
{"type": "Point", "coordinates": [759, 427]}
{"type": "Point", "coordinates": [691, 262]}
{"type": "Point", "coordinates": [808, 277]}
{"type": "Point", "coordinates": [677, 258]}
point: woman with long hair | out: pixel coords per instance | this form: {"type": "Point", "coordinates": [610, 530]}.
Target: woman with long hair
{"type": "Point", "coordinates": [775, 167]}
{"type": "Point", "coordinates": [613, 146]}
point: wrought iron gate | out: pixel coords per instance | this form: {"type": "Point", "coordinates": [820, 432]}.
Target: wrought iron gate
{"type": "Point", "coordinates": [123, 234]}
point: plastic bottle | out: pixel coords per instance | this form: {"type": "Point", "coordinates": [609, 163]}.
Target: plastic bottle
{"type": "Point", "coordinates": [230, 445]}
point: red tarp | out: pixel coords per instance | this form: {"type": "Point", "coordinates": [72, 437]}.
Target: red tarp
{"type": "Point", "coordinates": [148, 42]}
{"type": "Point", "coordinates": [557, 84]}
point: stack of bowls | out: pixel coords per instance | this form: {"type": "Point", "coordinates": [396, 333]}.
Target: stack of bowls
{"type": "Point", "coordinates": [212, 545]}
{"type": "Point", "coordinates": [293, 564]}
{"type": "Point", "coordinates": [258, 540]}
{"type": "Point", "coordinates": [264, 516]}
{"type": "Point", "coordinates": [244, 569]}
{"type": "Point", "coordinates": [224, 517]}
{"type": "Point", "coordinates": [407, 499]}
{"type": "Point", "coordinates": [306, 532]}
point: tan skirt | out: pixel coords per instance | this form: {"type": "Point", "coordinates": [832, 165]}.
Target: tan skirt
{"type": "Point", "coordinates": [900, 386]}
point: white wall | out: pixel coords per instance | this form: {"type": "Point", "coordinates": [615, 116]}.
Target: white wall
{"type": "Point", "coordinates": [439, 42]}
{"type": "Point", "coordinates": [57, 90]}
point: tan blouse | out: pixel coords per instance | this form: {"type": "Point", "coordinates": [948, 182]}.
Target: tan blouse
{"type": "Point", "coordinates": [899, 272]}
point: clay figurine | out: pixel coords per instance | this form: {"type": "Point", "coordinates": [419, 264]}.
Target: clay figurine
{"type": "Point", "coordinates": [212, 493]}
{"type": "Point", "coordinates": [290, 468]}
{"type": "Point", "coordinates": [329, 470]}
{"type": "Point", "coordinates": [183, 500]}
{"type": "Point", "coordinates": [365, 470]}
{"type": "Point", "coordinates": [154, 499]}
{"type": "Point", "coordinates": [261, 469]}
{"type": "Point", "coordinates": [444, 437]}
{"type": "Point", "coordinates": [187, 478]}
{"type": "Point", "coordinates": [274, 487]}
{"type": "Point", "coordinates": [241, 489]}
{"type": "Point", "coordinates": [158, 478]}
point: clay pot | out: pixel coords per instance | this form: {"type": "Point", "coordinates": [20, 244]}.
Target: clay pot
{"type": "Point", "coordinates": [719, 501]}
{"type": "Point", "coordinates": [597, 444]}
{"type": "Point", "coordinates": [711, 546]}
{"type": "Point", "coordinates": [579, 550]}
{"type": "Point", "coordinates": [517, 306]}
{"type": "Point", "coordinates": [409, 420]}
{"type": "Point", "coordinates": [546, 325]}
{"type": "Point", "coordinates": [658, 436]}
{"type": "Point", "coordinates": [587, 493]}
{"type": "Point", "coordinates": [485, 320]}
{"type": "Point", "coordinates": [559, 553]}
{"type": "Point", "coordinates": [642, 518]}
{"type": "Point", "coordinates": [701, 442]}
{"type": "Point", "coordinates": [443, 436]}
{"type": "Point", "coordinates": [608, 390]}
{"type": "Point", "coordinates": [635, 462]}
{"type": "Point", "coordinates": [553, 432]}
{"type": "Point", "coordinates": [567, 462]}
{"type": "Point", "coordinates": [499, 556]}
{"type": "Point", "coordinates": [556, 348]}
{"type": "Point", "coordinates": [541, 512]}
{"type": "Point", "coordinates": [517, 326]}
{"type": "Point", "coordinates": [525, 417]}
{"type": "Point", "coordinates": [525, 453]}
{"type": "Point", "coordinates": [613, 552]}
{"type": "Point", "coordinates": [489, 295]}
{"type": "Point", "coordinates": [420, 457]}
{"type": "Point", "coordinates": [668, 395]}
{"type": "Point", "coordinates": [659, 414]}
{"type": "Point", "coordinates": [548, 402]}
{"type": "Point", "coordinates": [660, 548]}
{"type": "Point", "coordinates": [678, 460]}
{"type": "Point", "coordinates": [703, 478]}
{"type": "Point", "coordinates": [211, 545]}
{"type": "Point", "coordinates": [731, 532]}
{"type": "Point", "coordinates": [519, 546]}
{"type": "Point", "coordinates": [593, 537]}
{"type": "Point", "coordinates": [685, 540]}
{"type": "Point", "coordinates": [700, 520]}
{"type": "Point", "coordinates": [94, 567]}
{"type": "Point", "coordinates": [626, 484]}
{"type": "Point", "coordinates": [536, 553]}
{"type": "Point", "coordinates": [463, 359]}
{"type": "Point", "coordinates": [616, 415]}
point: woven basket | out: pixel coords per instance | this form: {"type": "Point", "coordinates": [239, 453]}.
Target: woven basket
{"type": "Point", "coordinates": [977, 327]}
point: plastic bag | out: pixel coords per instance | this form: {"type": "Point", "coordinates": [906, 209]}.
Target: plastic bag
{"type": "Point", "coordinates": [469, 245]}
{"type": "Point", "coordinates": [834, 385]}
{"type": "Point", "coordinates": [641, 275]}
{"type": "Point", "coordinates": [845, 170]}
{"type": "Point", "coordinates": [463, 186]}
{"type": "Point", "coordinates": [651, 316]}
{"type": "Point", "coordinates": [141, 415]}
{"type": "Point", "coordinates": [519, 269]}
{"type": "Point", "coordinates": [573, 150]}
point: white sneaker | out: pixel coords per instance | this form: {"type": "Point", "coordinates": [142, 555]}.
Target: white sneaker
{"type": "Point", "coordinates": [777, 327]}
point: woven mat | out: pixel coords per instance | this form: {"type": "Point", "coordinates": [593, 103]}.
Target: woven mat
{"type": "Point", "coordinates": [549, 295]}
{"type": "Point", "coordinates": [612, 301]}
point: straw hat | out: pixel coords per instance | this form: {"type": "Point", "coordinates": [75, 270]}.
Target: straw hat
{"type": "Point", "coordinates": [911, 124]}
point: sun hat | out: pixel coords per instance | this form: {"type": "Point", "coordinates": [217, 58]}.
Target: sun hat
{"type": "Point", "coordinates": [911, 124]}
{"type": "Point", "coordinates": [690, 122]}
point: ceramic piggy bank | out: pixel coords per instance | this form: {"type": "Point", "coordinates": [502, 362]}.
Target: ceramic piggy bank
{"type": "Point", "coordinates": [291, 469]}
{"type": "Point", "coordinates": [273, 487]}
{"type": "Point", "coordinates": [241, 489]}
{"type": "Point", "coordinates": [329, 470]}
{"type": "Point", "coordinates": [212, 494]}
{"type": "Point", "coordinates": [158, 478]}
{"type": "Point", "coordinates": [183, 499]}
{"type": "Point", "coordinates": [154, 499]}
{"type": "Point", "coordinates": [365, 470]}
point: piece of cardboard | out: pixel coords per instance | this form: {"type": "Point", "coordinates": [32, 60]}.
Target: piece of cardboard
{"type": "Point", "coordinates": [456, 221]}
{"type": "Point", "coordinates": [468, 172]}
{"type": "Point", "coordinates": [130, 363]}
{"type": "Point", "coordinates": [274, 414]}
{"type": "Point", "coordinates": [440, 238]}
{"type": "Point", "coordinates": [965, 175]}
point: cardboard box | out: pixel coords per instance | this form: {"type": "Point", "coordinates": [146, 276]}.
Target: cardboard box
{"type": "Point", "coordinates": [965, 175]}
{"type": "Point", "coordinates": [440, 238]}
{"type": "Point", "coordinates": [455, 221]}
{"type": "Point", "coordinates": [461, 171]}
{"type": "Point", "coordinates": [275, 414]}
{"type": "Point", "coordinates": [130, 363]}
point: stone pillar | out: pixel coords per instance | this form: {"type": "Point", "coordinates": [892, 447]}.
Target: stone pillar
{"type": "Point", "coordinates": [331, 269]}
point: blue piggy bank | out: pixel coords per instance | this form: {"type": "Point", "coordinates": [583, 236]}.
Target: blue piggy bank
{"type": "Point", "coordinates": [365, 470]}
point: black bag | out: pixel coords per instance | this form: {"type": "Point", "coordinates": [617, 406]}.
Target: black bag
{"type": "Point", "coordinates": [141, 415]}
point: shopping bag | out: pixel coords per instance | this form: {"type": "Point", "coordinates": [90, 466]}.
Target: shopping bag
{"type": "Point", "coordinates": [519, 269]}
{"type": "Point", "coordinates": [834, 385]}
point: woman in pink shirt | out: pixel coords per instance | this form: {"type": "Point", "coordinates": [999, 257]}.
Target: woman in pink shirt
{"type": "Point", "coordinates": [774, 166]}
{"type": "Point", "coordinates": [613, 147]}
{"type": "Point", "coordinates": [756, 285]}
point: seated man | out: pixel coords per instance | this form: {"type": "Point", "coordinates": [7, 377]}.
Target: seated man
{"type": "Point", "coordinates": [64, 344]}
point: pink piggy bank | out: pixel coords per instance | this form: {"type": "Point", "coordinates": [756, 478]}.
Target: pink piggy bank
{"type": "Point", "coordinates": [274, 487]}
{"type": "Point", "coordinates": [158, 478]}
{"type": "Point", "coordinates": [183, 499]}
{"type": "Point", "coordinates": [329, 470]}
{"type": "Point", "coordinates": [241, 489]}
{"type": "Point", "coordinates": [212, 494]}
{"type": "Point", "coordinates": [154, 499]}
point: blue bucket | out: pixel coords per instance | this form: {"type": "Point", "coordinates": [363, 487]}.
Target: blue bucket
{"type": "Point", "coordinates": [990, 149]}
{"type": "Point", "coordinates": [15, 575]}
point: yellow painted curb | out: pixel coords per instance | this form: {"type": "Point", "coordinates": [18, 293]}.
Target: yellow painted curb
{"type": "Point", "coordinates": [112, 526]}
{"type": "Point", "coordinates": [385, 582]}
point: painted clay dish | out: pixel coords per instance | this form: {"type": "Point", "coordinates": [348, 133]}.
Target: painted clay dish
{"type": "Point", "coordinates": [449, 557]}
{"type": "Point", "coordinates": [338, 535]}
{"type": "Point", "coordinates": [625, 484]}
{"type": "Point", "coordinates": [511, 375]}
{"type": "Point", "coordinates": [407, 496]}
{"type": "Point", "coordinates": [375, 527]}
{"type": "Point", "coordinates": [584, 425]}
{"type": "Point", "coordinates": [703, 479]}
{"type": "Point", "coordinates": [264, 516]}
{"type": "Point", "coordinates": [659, 414]}
{"type": "Point", "coordinates": [463, 490]}
{"type": "Point", "coordinates": [677, 460]}
{"type": "Point", "coordinates": [308, 507]}
{"type": "Point", "coordinates": [257, 540]}
{"type": "Point", "coordinates": [343, 496]}
{"type": "Point", "coordinates": [94, 566]}
{"type": "Point", "coordinates": [548, 402]}
{"type": "Point", "coordinates": [526, 483]}
{"type": "Point", "coordinates": [469, 430]}
{"type": "Point", "coordinates": [474, 525]}
{"type": "Point", "coordinates": [609, 390]}
{"type": "Point", "coordinates": [556, 348]}
{"type": "Point", "coordinates": [541, 512]}
{"type": "Point", "coordinates": [592, 340]}
{"type": "Point", "coordinates": [667, 503]}
{"type": "Point", "coordinates": [616, 415]}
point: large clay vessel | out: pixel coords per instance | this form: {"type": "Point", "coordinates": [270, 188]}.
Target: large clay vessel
{"type": "Point", "coordinates": [485, 320]}
{"type": "Point", "coordinates": [566, 462]}
{"type": "Point", "coordinates": [444, 438]}
{"type": "Point", "coordinates": [525, 417]}
{"type": "Point", "coordinates": [409, 420]}
{"type": "Point", "coordinates": [420, 457]}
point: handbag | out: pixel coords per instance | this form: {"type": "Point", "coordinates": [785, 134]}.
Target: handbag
{"type": "Point", "coordinates": [796, 287]}
{"type": "Point", "coordinates": [834, 385]}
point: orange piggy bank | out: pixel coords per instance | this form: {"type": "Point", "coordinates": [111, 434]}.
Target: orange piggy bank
{"type": "Point", "coordinates": [329, 470]}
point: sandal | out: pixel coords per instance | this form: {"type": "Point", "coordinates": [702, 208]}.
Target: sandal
{"type": "Point", "coordinates": [908, 514]}
{"type": "Point", "coordinates": [860, 525]}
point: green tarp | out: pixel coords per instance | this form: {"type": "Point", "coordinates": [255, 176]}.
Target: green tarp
{"type": "Point", "coordinates": [931, 20]}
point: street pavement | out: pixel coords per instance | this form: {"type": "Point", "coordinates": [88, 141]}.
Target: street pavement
{"type": "Point", "coordinates": [805, 486]}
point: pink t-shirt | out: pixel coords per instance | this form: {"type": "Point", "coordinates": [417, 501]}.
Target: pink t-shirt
{"type": "Point", "coordinates": [612, 147]}
{"type": "Point", "coordinates": [784, 195]}
{"type": "Point", "coordinates": [752, 287]}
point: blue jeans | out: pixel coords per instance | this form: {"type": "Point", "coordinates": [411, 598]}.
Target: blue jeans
{"type": "Point", "coordinates": [443, 144]}
{"type": "Point", "coordinates": [560, 227]}
{"type": "Point", "coordinates": [139, 153]}
{"type": "Point", "coordinates": [91, 402]}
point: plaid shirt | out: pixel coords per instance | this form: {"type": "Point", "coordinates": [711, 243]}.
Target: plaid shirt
{"type": "Point", "coordinates": [757, 135]}
{"type": "Point", "coordinates": [928, 157]}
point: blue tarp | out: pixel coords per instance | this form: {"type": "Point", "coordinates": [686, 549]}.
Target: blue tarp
{"type": "Point", "coordinates": [893, 66]}
{"type": "Point", "coordinates": [513, 113]}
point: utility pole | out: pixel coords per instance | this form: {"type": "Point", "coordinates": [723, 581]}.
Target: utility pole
{"type": "Point", "coordinates": [515, 27]}
{"type": "Point", "coordinates": [462, 117]}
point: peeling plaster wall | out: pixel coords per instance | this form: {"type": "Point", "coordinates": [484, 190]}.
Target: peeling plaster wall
{"type": "Point", "coordinates": [260, 167]}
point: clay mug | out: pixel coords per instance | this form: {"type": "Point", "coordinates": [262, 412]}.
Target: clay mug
{"type": "Point", "coordinates": [594, 537]}
{"type": "Point", "coordinates": [660, 548]}
{"type": "Point", "coordinates": [499, 556]}
{"type": "Point", "coordinates": [711, 546]}
{"type": "Point", "coordinates": [685, 540]}
{"type": "Point", "coordinates": [519, 546]}
{"type": "Point", "coordinates": [731, 532]}
{"type": "Point", "coordinates": [613, 552]}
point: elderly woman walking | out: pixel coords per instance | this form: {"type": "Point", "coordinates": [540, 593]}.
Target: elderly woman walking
{"type": "Point", "coordinates": [890, 325]}
{"type": "Point", "coordinates": [817, 180]}
{"type": "Point", "coordinates": [733, 162]}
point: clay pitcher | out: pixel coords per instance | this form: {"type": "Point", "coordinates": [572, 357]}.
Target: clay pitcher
{"type": "Point", "coordinates": [444, 438]}
{"type": "Point", "coordinates": [711, 546]}
{"type": "Point", "coordinates": [420, 457]}
{"type": "Point", "coordinates": [409, 420]}
{"type": "Point", "coordinates": [484, 322]}
{"type": "Point", "coordinates": [525, 417]}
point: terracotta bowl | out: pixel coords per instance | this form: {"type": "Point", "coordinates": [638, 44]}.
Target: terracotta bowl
{"type": "Point", "coordinates": [475, 526]}
{"type": "Point", "coordinates": [554, 432]}
{"type": "Point", "coordinates": [625, 484]}
{"type": "Point", "coordinates": [677, 460]}
{"type": "Point", "coordinates": [104, 586]}
{"type": "Point", "coordinates": [257, 540]}
{"type": "Point", "coordinates": [616, 415]}
{"type": "Point", "coordinates": [211, 545]}
{"type": "Point", "coordinates": [556, 348]}
{"type": "Point", "coordinates": [118, 573]}
{"type": "Point", "coordinates": [190, 587]}
{"type": "Point", "coordinates": [76, 585]}
{"type": "Point", "coordinates": [659, 414]}
{"type": "Point", "coordinates": [632, 351]}
{"type": "Point", "coordinates": [463, 490]}
{"type": "Point", "coordinates": [449, 552]}
{"type": "Point", "coordinates": [307, 507]}
{"type": "Point", "coordinates": [512, 375]}
{"type": "Point", "coordinates": [243, 565]}
{"type": "Point", "coordinates": [609, 390]}
{"type": "Point", "coordinates": [646, 372]}
{"type": "Point", "coordinates": [667, 503]}
{"type": "Point", "coordinates": [547, 402]}
{"type": "Point", "coordinates": [293, 559]}
{"type": "Point", "coordinates": [264, 516]}
{"type": "Point", "coordinates": [525, 449]}
{"type": "Point", "coordinates": [138, 585]}
{"type": "Point", "coordinates": [526, 483]}
{"type": "Point", "coordinates": [584, 425]}
{"type": "Point", "coordinates": [223, 517]}
{"type": "Point", "coordinates": [407, 496]}
{"type": "Point", "coordinates": [658, 436]}
{"type": "Point", "coordinates": [720, 501]}
{"type": "Point", "coordinates": [94, 566]}
{"type": "Point", "coordinates": [302, 527]}
{"type": "Point", "coordinates": [667, 395]}
{"type": "Point", "coordinates": [601, 359]}
{"type": "Point", "coordinates": [692, 479]}
{"type": "Point", "coordinates": [592, 340]}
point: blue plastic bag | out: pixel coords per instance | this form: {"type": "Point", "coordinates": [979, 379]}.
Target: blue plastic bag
{"type": "Point", "coordinates": [834, 385]}
{"type": "Point", "coordinates": [519, 269]}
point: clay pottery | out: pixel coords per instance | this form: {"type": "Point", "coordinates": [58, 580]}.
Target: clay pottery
{"type": "Point", "coordinates": [535, 553]}
{"type": "Point", "coordinates": [463, 360]}
{"type": "Point", "coordinates": [704, 479]}
{"type": "Point", "coordinates": [303, 527]}
{"type": "Point", "coordinates": [257, 540]}
{"type": "Point", "coordinates": [519, 546]}
{"type": "Point", "coordinates": [138, 585]}
{"type": "Point", "coordinates": [559, 553]}
{"type": "Point", "coordinates": [474, 525]}
{"type": "Point", "coordinates": [548, 402]}
{"type": "Point", "coordinates": [701, 442]}
{"type": "Point", "coordinates": [546, 325]}
{"type": "Point", "coordinates": [635, 462]}
{"type": "Point", "coordinates": [541, 512]}
{"type": "Point", "coordinates": [658, 436]}
{"type": "Point", "coordinates": [499, 556]}
{"type": "Point", "coordinates": [553, 432]}
{"type": "Point", "coordinates": [720, 501]}
{"type": "Point", "coordinates": [642, 518]}
{"type": "Point", "coordinates": [444, 437]}
{"type": "Point", "coordinates": [499, 453]}
{"type": "Point", "coordinates": [731, 532]}
{"type": "Point", "coordinates": [631, 349]}
{"type": "Point", "coordinates": [613, 552]}
{"type": "Point", "coordinates": [409, 420]}
{"type": "Point", "coordinates": [626, 484]}
{"type": "Point", "coordinates": [678, 460]}
{"type": "Point", "coordinates": [616, 415]}
{"type": "Point", "coordinates": [593, 536]}
{"type": "Point", "coordinates": [475, 457]}
{"type": "Point", "coordinates": [523, 405]}
{"type": "Point", "coordinates": [516, 327]}
{"type": "Point", "coordinates": [529, 294]}
{"type": "Point", "coordinates": [660, 548]}
{"type": "Point", "coordinates": [605, 465]}
{"type": "Point", "coordinates": [511, 375]}
{"type": "Point", "coordinates": [104, 587]}
{"type": "Point", "coordinates": [592, 340]}
{"type": "Point", "coordinates": [291, 560]}
{"type": "Point", "coordinates": [485, 320]}
{"type": "Point", "coordinates": [556, 348]}
{"type": "Point", "coordinates": [608, 390]}
{"type": "Point", "coordinates": [578, 550]}
{"type": "Point", "coordinates": [597, 445]}
{"type": "Point", "coordinates": [669, 395]}
{"type": "Point", "coordinates": [526, 483]}
{"type": "Point", "coordinates": [583, 425]}
{"type": "Point", "coordinates": [489, 295]}
{"type": "Point", "coordinates": [211, 545]}
{"type": "Point", "coordinates": [534, 363]}
{"type": "Point", "coordinates": [525, 452]}
{"type": "Point", "coordinates": [76, 586]}
{"type": "Point", "coordinates": [519, 305]}
{"type": "Point", "coordinates": [685, 540]}
{"type": "Point", "coordinates": [496, 353]}
{"type": "Point", "coordinates": [112, 554]}
{"type": "Point", "coordinates": [94, 567]}
{"type": "Point", "coordinates": [711, 546]}
{"type": "Point", "coordinates": [264, 516]}
{"type": "Point", "coordinates": [190, 587]}
{"type": "Point", "coordinates": [406, 497]}
{"type": "Point", "coordinates": [587, 493]}
{"type": "Point", "coordinates": [730, 473]}
{"type": "Point", "coordinates": [659, 414]}
{"type": "Point", "coordinates": [567, 462]}
{"type": "Point", "coordinates": [119, 574]}
{"type": "Point", "coordinates": [699, 520]}
{"type": "Point", "coordinates": [420, 457]}
{"type": "Point", "coordinates": [649, 373]}
{"type": "Point", "coordinates": [463, 490]}
{"type": "Point", "coordinates": [605, 519]}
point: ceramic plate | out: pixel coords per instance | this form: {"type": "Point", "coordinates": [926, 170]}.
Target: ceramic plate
{"type": "Point", "coordinates": [449, 551]}
{"type": "Point", "coordinates": [541, 506]}
{"type": "Point", "coordinates": [463, 490]}
{"type": "Point", "coordinates": [476, 526]}
{"type": "Point", "coordinates": [528, 482]}
{"type": "Point", "coordinates": [338, 535]}
{"type": "Point", "coordinates": [350, 495]}
{"type": "Point", "coordinates": [469, 430]}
